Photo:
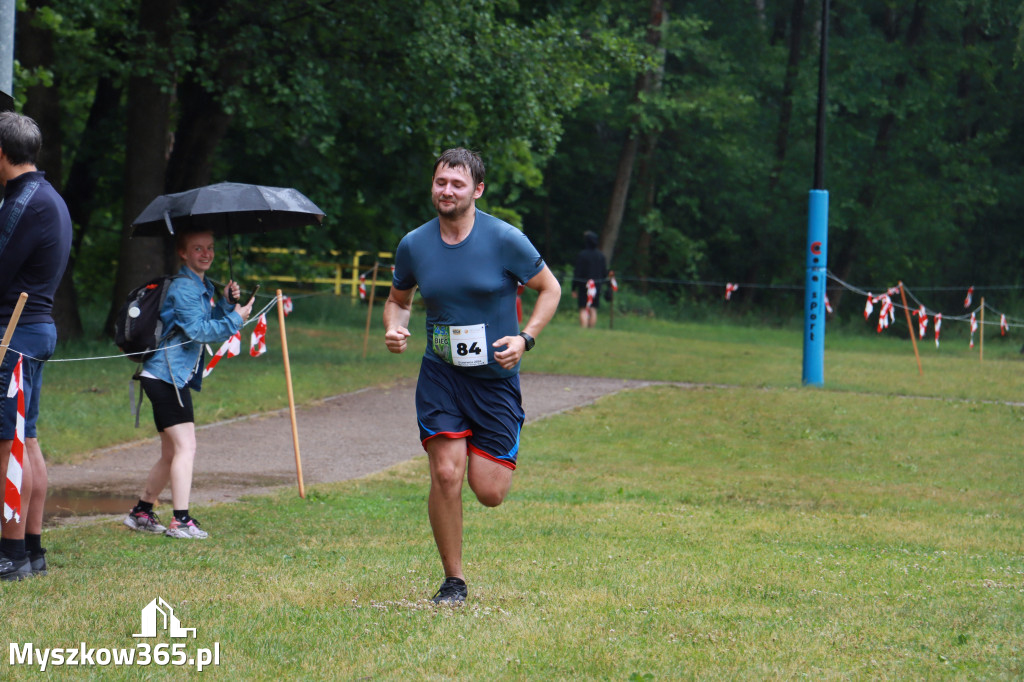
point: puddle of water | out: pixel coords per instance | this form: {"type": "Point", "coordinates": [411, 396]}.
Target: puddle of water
{"type": "Point", "coordinates": [64, 502]}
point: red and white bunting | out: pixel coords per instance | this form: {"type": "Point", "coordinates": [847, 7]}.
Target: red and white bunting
{"type": "Point", "coordinates": [869, 307]}
{"type": "Point", "coordinates": [938, 326]}
{"type": "Point", "coordinates": [258, 339]}
{"type": "Point", "coordinates": [1004, 326]}
{"type": "Point", "coordinates": [362, 287]}
{"type": "Point", "coordinates": [12, 486]}
{"type": "Point", "coordinates": [974, 328]}
{"type": "Point", "coordinates": [886, 314]}
{"type": "Point", "coordinates": [229, 349]}
{"type": "Point", "coordinates": [615, 285]}
{"type": "Point", "coordinates": [970, 293]}
{"type": "Point", "coordinates": [828, 306]}
{"type": "Point", "coordinates": [729, 289]}
{"type": "Point", "coordinates": [591, 292]}
{"type": "Point", "coordinates": [286, 303]}
{"type": "Point", "coordinates": [922, 321]}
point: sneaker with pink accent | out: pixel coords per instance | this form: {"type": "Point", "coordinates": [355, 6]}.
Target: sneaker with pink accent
{"type": "Point", "coordinates": [188, 530]}
{"type": "Point", "coordinates": [144, 521]}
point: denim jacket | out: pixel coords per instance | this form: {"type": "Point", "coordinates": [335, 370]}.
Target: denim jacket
{"type": "Point", "coordinates": [193, 315]}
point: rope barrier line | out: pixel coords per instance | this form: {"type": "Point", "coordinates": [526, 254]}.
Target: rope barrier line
{"type": "Point", "coordinates": [790, 287]}
{"type": "Point", "coordinates": [252, 320]}
{"type": "Point", "coordinates": [964, 317]}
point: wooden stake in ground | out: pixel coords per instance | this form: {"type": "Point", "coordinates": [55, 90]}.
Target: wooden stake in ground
{"type": "Point", "coordinates": [369, 308]}
{"type": "Point", "coordinates": [12, 324]}
{"type": "Point", "coordinates": [291, 394]}
{"type": "Point", "coordinates": [910, 326]}
{"type": "Point", "coordinates": [981, 333]}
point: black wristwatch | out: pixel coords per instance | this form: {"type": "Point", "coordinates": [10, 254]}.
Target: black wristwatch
{"type": "Point", "coordinates": [528, 339]}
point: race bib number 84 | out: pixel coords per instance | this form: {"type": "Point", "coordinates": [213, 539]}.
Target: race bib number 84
{"type": "Point", "coordinates": [461, 346]}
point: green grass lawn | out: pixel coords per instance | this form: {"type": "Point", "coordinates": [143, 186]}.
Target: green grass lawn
{"type": "Point", "coordinates": [743, 528]}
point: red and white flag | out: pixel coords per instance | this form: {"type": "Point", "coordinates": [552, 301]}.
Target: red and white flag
{"type": "Point", "coordinates": [258, 339]}
{"type": "Point", "coordinates": [362, 287]}
{"type": "Point", "coordinates": [286, 303]}
{"type": "Point", "coordinates": [974, 328]}
{"type": "Point", "coordinates": [729, 289]}
{"type": "Point", "coordinates": [591, 292]}
{"type": "Point", "coordinates": [12, 486]}
{"type": "Point", "coordinates": [228, 349]}
{"type": "Point", "coordinates": [967, 301]}
{"type": "Point", "coordinates": [938, 326]}
{"type": "Point", "coordinates": [828, 306]}
{"type": "Point", "coordinates": [922, 321]}
{"type": "Point", "coordinates": [1004, 326]}
{"type": "Point", "coordinates": [615, 285]}
{"type": "Point", "coordinates": [869, 307]}
{"type": "Point", "coordinates": [886, 314]}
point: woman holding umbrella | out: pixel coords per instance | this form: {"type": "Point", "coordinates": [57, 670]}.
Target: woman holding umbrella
{"type": "Point", "coordinates": [194, 317]}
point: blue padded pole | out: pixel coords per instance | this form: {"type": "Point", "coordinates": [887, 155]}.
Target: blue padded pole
{"type": "Point", "coordinates": [814, 293]}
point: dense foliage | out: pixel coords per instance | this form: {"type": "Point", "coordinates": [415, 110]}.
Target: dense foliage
{"type": "Point", "coordinates": [350, 102]}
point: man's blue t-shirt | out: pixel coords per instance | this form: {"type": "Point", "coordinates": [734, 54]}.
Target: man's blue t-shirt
{"type": "Point", "coordinates": [469, 289]}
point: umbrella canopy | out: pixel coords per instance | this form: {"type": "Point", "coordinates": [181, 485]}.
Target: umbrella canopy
{"type": "Point", "coordinates": [227, 208]}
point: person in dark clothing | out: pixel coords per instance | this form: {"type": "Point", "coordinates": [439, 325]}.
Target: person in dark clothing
{"type": "Point", "coordinates": [587, 279]}
{"type": "Point", "coordinates": [35, 242]}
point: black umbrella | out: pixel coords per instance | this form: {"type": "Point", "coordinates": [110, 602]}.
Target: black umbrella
{"type": "Point", "coordinates": [227, 208]}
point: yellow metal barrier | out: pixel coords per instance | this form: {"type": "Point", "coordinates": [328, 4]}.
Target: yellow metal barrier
{"type": "Point", "coordinates": [357, 264]}
{"type": "Point", "coordinates": [338, 275]}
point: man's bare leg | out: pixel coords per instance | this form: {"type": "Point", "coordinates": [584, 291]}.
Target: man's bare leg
{"type": "Point", "coordinates": [444, 503]}
{"type": "Point", "coordinates": [489, 480]}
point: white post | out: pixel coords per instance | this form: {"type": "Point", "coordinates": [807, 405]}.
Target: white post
{"type": "Point", "coordinates": [7, 46]}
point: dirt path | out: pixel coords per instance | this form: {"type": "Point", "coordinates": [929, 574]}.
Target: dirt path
{"type": "Point", "coordinates": [343, 437]}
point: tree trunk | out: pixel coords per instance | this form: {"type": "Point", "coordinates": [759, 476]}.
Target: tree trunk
{"type": "Point", "coordinates": [42, 103]}
{"type": "Point", "coordinates": [203, 125]}
{"type": "Point", "coordinates": [648, 185]}
{"type": "Point", "coordinates": [203, 121]}
{"type": "Point", "coordinates": [145, 162]}
{"type": "Point", "coordinates": [795, 40]}
{"type": "Point", "coordinates": [645, 84]}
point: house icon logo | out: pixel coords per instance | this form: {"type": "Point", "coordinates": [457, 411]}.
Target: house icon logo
{"type": "Point", "coordinates": [158, 614]}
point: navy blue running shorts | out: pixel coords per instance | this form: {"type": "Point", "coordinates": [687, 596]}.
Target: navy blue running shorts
{"type": "Point", "coordinates": [37, 340]}
{"type": "Point", "coordinates": [489, 412]}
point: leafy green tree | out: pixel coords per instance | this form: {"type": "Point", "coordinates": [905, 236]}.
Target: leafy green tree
{"type": "Point", "coordinates": [349, 102]}
{"type": "Point", "coordinates": [923, 148]}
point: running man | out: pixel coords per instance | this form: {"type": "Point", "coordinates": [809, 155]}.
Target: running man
{"type": "Point", "coordinates": [467, 265]}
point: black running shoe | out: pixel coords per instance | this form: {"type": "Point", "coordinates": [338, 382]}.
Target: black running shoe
{"type": "Point", "coordinates": [452, 592]}
{"type": "Point", "coordinates": [38, 562]}
{"type": "Point", "coordinates": [11, 569]}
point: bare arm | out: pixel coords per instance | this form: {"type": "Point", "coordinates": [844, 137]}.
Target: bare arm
{"type": "Point", "coordinates": [549, 292]}
{"type": "Point", "coordinates": [397, 310]}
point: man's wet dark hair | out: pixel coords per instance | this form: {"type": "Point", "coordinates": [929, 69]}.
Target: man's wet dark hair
{"type": "Point", "coordinates": [20, 138]}
{"type": "Point", "coordinates": [462, 158]}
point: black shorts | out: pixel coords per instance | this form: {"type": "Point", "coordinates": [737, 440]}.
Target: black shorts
{"type": "Point", "coordinates": [167, 411]}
